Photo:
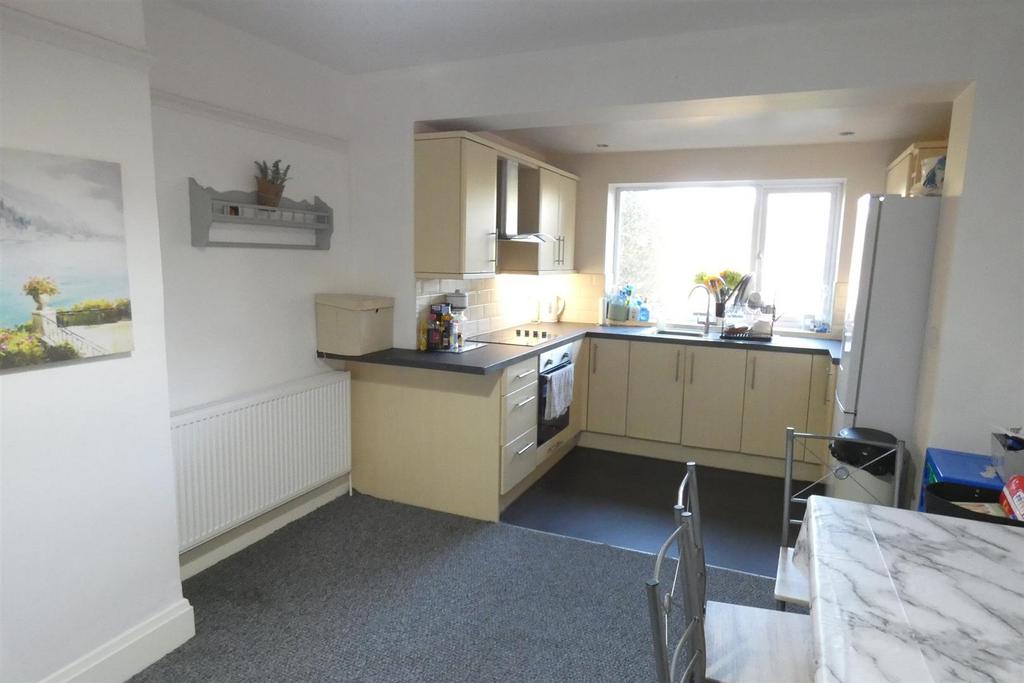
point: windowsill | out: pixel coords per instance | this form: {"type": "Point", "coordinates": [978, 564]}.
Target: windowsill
{"type": "Point", "coordinates": [834, 335]}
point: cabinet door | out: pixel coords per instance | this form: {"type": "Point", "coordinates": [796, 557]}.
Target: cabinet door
{"type": "Point", "coordinates": [713, 400]}
{"type": "Point", "coordinates": [567, 224]}
{"type": "Point", "coordinates": [480, 207]}
{"type": "Point", "coordinates": [820, 407]}
{"type": "Point", "coordinates": [550, 216]}
{"type": "Point", "coordinates": [654, 406]}
{"type": "Point", "coordinates": [776, 396]}
{"type": "Point", "coordinates": [606, 394]}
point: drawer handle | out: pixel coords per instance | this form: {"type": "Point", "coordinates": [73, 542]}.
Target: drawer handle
{"type": "Point", "coordinates": [753, 373]}
{"type": "Point", "coordinates": [525, 374]}
{"type": "Point", "coordinates": [524, 448]}
{"type": "Point", "coordinates": [524, 402]}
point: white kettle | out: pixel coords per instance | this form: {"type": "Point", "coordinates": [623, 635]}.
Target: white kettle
{"type": "Point", "coordinates": [551, 309]}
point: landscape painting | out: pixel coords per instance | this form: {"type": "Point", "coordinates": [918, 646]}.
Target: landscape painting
{"type": "Point", "coordinates": [63, 261]}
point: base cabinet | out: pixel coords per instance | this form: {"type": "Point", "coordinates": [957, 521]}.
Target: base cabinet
{"type": "Point", "coordinates": [776, 397]}
{"type": "Point", "coordinates": [820, 407]}
{"type": "Point", "coordinates": [654, 405]}
{"type": "Point", "coordinates": [608, 386]}
{"type": "Point", "coordinates": [713, 398]}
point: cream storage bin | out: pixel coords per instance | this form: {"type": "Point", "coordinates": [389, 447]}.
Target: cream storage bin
{"type": "Point", "coordinates": [354, 324]}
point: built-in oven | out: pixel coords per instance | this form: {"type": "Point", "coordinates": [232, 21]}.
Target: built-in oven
{"type": "Point", "coordinates": [552, 362]}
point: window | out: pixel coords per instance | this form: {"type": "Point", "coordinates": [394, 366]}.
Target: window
{"type": "Point", "coordinates": [785, 234]}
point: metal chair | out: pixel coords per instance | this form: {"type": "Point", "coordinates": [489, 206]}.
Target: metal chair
{"type": "Point", "coordinates": [716, 641]}
{"type": "Point", "coordinates": [791, 583]}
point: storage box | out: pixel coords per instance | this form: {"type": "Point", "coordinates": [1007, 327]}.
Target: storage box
{"type": "Point", "coordinates": [354, 324]}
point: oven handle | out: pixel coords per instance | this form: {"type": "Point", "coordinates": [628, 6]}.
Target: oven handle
{"type": "Point", "coordinates": [547, 371]}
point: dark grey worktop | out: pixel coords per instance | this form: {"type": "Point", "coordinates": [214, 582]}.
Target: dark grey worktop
{"type": "Point", "coordinates": [491, 358]}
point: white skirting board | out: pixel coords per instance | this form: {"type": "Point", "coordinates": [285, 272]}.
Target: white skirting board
{"type": "Point", "coordinates": [129, 653]}
{"type": "Point", "coordinates": [230, 542]}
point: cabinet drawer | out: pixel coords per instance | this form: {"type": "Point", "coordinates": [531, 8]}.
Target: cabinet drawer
{"type": "Point", "coordinates": [518, 459]}
{"type": "Point", "coordinates": [519, 413]}
{"type": "Point", "coordinates": [519, 375]}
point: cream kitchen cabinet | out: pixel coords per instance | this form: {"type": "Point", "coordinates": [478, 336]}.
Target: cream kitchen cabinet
{"type": "Point", "coordinates": [456, 183]}
{"type": "Point", "coordinates": [547, 204]}
{"type": "Point", "coordinates": [820, 407]}
{"type": "Point", "coordinates": [775, 397]}
{"type": "Point", "coordinates": [654, 408]}
{"type": "Point", "coordinates": [565, 245]}
{"type": "Point", "coordinates": [608, 386]}
{"type": "Point", "coordinates": [713, 398]}
{"type": "Point", "coordinates": [905, 172]}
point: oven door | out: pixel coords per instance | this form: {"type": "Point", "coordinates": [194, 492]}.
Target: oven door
{"type": "Point", "coordinates": [548, 429]}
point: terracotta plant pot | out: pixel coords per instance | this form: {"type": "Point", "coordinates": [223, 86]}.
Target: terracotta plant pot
{"type": "Point", "coordinates": [268, 193]}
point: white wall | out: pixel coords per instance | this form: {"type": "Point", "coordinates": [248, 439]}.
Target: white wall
{"type": "Point", "coordinates": [87, 513]}
{"type": "Point", "coordinates": [240, 320]}
{"type": "Point", "coordinates": [970, 43]}
{"type": "Point", "coordinates": [861, 165]}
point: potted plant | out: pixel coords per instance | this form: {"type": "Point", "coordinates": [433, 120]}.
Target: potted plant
{"type": "Point", "coordinates": [40, 289]}
{"type": "Point", "coordinates": [270, 182]}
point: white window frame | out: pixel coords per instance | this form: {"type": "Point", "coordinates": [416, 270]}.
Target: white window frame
{"type": "Point", "coordinates": [835, 186]}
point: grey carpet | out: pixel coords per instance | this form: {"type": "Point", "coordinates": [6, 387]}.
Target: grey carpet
{"type": "Point", "coordinates": [368, 590]}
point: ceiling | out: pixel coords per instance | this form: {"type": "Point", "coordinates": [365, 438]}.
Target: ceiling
{"type": "Point", "coordinates": [786, 119]}
{"type": "Point", "coordinates": [357, 36]}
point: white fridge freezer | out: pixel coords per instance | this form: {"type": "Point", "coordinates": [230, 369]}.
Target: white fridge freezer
{"type": "Point", "coordinates": [886, 312]}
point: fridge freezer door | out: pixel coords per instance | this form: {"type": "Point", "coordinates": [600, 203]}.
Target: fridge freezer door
{"type": "Point", "coordinates": [858, 296]}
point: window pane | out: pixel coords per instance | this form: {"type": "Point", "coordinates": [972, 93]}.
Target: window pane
{"type": "Point", "coordinates": [667, 235]}
{"type": "Point", "coordinates": [795, 262]}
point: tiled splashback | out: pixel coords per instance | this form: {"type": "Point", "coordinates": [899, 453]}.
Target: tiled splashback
{"type": "Point", "coordinates": [508, 300]}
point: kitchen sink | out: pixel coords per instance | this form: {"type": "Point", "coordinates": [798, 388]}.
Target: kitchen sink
{"type": "Point", "coordinates": [680, 333]}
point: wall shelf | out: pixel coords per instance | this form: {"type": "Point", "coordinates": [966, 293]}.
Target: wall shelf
{"type": "Point", "coordinates": [291, 225]}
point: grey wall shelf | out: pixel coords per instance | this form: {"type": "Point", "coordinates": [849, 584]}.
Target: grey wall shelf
{"type": "Point", "coordinates": [237, 207]}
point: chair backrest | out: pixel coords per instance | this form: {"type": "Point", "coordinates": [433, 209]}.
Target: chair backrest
{"type": "Point", "coordinates": [677, 606]}
{"type": "Point", "coordinates": [897, 450]}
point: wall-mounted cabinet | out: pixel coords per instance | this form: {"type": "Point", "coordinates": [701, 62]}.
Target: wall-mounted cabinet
{"type": "Point", "coordinates": [906, 172]}
{"type": "Point", "coordinates": [456, 208]}
{"type": "Point", "coordinates": [547, 205]}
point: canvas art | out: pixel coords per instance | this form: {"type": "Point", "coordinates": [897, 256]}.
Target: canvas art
{"type": "Point", "coordinates": [63, 261]}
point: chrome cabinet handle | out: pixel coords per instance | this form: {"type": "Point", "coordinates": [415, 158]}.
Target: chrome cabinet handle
{"type": "Point", "coordinates": [828, 377]}
{"type": "Point", "coordinates": [753, 372]}
{"type": "Point", "coordinates": [678, 353]}
{"type": "Point", "coordinates": [525, 374]}
{"type": "Point", "coordinates": [524, 402]}
{"type": "Point", "coordinates": [693, 361]}
{"type": "Point", "coordinates": [524, 448]}
{"type": "Point", "coordinates": [593, 358]}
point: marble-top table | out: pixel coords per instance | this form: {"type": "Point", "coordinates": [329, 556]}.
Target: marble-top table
{"type": "Point", "coordinates": [897, 595]}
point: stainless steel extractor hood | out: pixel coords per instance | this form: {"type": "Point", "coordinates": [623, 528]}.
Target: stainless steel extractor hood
{"type": "Point", "coordinates": [508, 205]}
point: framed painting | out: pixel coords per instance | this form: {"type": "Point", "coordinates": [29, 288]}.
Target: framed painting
{"type": "Point", "coordinates": [64, 292]}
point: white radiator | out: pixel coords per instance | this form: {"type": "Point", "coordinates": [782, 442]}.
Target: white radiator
{"type": "Point", "coordinates": [239, 458]}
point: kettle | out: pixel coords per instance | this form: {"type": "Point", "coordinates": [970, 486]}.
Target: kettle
{"type": "Point", "coordinates": [551, 309]}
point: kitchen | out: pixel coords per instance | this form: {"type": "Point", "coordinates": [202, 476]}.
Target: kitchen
{"type": "Point", "coordinates": [507, 245]}
{"type": "Point", "coordinates": [185, 506]}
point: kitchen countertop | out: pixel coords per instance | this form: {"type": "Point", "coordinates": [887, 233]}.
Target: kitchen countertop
{"type": "Point", "coordinates": [491, 358]}
{"type": "Point", "coordinates": [907, 596]}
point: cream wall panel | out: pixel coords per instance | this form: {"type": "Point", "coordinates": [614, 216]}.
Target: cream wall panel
{"type": "Point", "coordinates": [396, 455]}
